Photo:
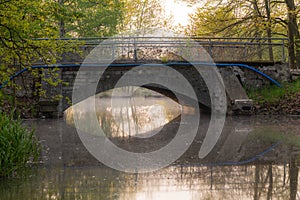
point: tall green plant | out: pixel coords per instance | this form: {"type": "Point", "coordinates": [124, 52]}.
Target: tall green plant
{"type": "Point", "coordinates": [18, 146]}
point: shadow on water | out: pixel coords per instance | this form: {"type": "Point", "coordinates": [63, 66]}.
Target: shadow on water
{"type": "Point", "coordinates": [255, 157]}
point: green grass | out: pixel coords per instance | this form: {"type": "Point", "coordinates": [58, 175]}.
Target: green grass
{"type": "Point", "coordinates": [273, 94]}
{"type": "Point", "coordinates": [18, 146]}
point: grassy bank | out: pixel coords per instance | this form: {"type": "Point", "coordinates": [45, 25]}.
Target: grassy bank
{"type": "Point", "coordinates": [275, 100]}
{"type": "Point", "coordinates": [18, 146]}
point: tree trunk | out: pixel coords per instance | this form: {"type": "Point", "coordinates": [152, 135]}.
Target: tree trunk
{"type": "Point", "coordinates": [270, 188]}
{"type": "Point", "coordinates": [269, 29]}
{"type": "Point", "coordinates": [62, 30]}
{"type": "Point", "coordinates": [297, 46]}
{"type": "Point", "coordinates": [293, 34]}
{"type": "Point", "coordinates": [256, 183]}
{"type": "Point", "coordinates": [294, 172]}
{"type": "Point", "coordinates": [258, 33]}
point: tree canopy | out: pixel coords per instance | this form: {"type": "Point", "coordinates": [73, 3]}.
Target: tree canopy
{"type": "Point", "coordinates": [30, 30]}
{"type": "Point", "coordinates": [250, 18]}
{"type": "Point", "coordinates": [142, 15]}
{"type": "Point", "coordinates": [21, 23]}
{"type": "Point", "coordinates": [86, 18]}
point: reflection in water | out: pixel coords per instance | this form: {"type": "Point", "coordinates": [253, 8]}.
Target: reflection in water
{"type": "Point", "coordinates": [126, 116]}
{"type": "Point", "coordinates": [175, 182]}
{"type": "Point", "coordinates": [70, 172]}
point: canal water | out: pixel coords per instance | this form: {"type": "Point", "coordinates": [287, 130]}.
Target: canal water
{"type": "Point", "coordinates": [256, 157]}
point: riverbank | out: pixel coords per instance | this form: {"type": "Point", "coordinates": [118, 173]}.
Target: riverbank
{"type": "Point", "coordinates": [273, 100]}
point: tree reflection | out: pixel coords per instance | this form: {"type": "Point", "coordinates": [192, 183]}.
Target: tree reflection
{"type": "Point", "coordinates": [271, 176]}
{"type": "Point", "coordinates": [270, 188]}
{"type": "Point", "coordinates": [294, 172]}
{"type": "Point", "coordinates": [256, 183]}
{"type": "Point", "coordinates": [124, 116]}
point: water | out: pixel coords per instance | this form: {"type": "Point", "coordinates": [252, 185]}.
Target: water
{"type": "Point", "coordinates": [255, 157]}
{"type": "Point", "coordinates": [236, 182]}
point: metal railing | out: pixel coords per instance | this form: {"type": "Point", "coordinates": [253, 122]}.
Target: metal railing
{"type": "Point", "coordinates": [220, 49]}
{"type": "Point", "coordinates": [236, 50]}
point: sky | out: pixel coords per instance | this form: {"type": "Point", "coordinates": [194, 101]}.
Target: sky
{"type": "Point", "coordinates": [179, 10]}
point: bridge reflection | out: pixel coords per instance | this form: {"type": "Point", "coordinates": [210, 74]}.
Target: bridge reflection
{"type": "Point", "coordinates": [127, 116]}
{"type": "Point", "coordinates": [75, 175]}
{"type": "Point", "coordinates": [70, 172]}
{"type": "Point", "coordinates": [146, 123]}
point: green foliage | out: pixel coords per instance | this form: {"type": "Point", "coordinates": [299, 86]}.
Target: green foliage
{"type": "Point", "coordinates": [235, 19]}
{"type": "Point", "coordinates": [164, 59]}
{"type": "Point", "coordinates": [212, 21]}
{"type": "Point", "coordinates": [142, 15]}
{"type": "Point", "coordinates": [18, 146]}
{"type": "Point", "coordinates": [20, 22]}
{"type": "Point", "coordinates": [273, 94]}
{"type": "Point", "coordinates": [259, 18]}
{"type": "Point", "coordinates": [85, 18]}
{"type": "Point", "coordinates": [28, 35]}
{"type": "Point", "coordinates": [250, 18]}
{"type": "Point", "coordinates": [297, 44]}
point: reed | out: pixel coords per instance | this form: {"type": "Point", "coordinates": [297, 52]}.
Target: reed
{"type": "Point", "coordinates": [18, 146]}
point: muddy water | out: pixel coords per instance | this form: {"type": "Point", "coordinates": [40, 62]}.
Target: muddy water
{"type": "Point", "coordinates": [255, 157]}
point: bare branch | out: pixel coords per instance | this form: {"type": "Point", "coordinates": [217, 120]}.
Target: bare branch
{"type": "Point", "coordinates": [278, 19]}
{"type": "Point", "coordinates": [232, 25]}
{"type": "Point", "coordinates": [276, 2]}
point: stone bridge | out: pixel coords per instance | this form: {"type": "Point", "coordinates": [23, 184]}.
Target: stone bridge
{"type": "Point", "coordinates": [124, 54]}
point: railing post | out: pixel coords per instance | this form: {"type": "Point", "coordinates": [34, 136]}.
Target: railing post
{"type": "Point", "coordinates": [128, 47]}
{"type": "Point", "coordinates": [134, 50]}
{"type": "Point", "coordinates": [113, 50]}
{"type": "Point", "coordinates": [270, 47]}
{"type": "Point", "coordinates": [210, 48]}
{"type": "Point", "coordinates": [283, 52]}
{"type": "Point", "coordinates": [245, 53]}
{"type": "Point", "coordinates": [260, 50]}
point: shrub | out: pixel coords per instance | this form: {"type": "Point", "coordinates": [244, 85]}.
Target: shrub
{"type": "Point", "coordinates": [18, 146]}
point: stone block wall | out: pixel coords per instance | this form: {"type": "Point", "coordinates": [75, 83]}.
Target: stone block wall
{"type": "Point", "coordinates": [250, 79]}
{"type": "Point", "coordinates": [111, 76]}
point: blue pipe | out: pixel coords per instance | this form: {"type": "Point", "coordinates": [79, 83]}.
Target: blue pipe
{"type": "Point", "coordinates": [243, 162]}
{"type": "Point", "coordinates": [36, 67]}
{"type": "Point", "coordinates": [13, 76]}
{"type": "Point", "coordinates": [230, 65]}
{"type": "Point", "coordinates": [137, 64]}
{"type": "Point", "coordinates": [252, 69]}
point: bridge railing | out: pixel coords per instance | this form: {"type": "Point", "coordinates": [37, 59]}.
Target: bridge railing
{"type": "Point", "coordinates": [247, 49]}
{"type": "Point", "coordinates": [237, 50]}
{"type": "Point", "coordinates": [220, 49]}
